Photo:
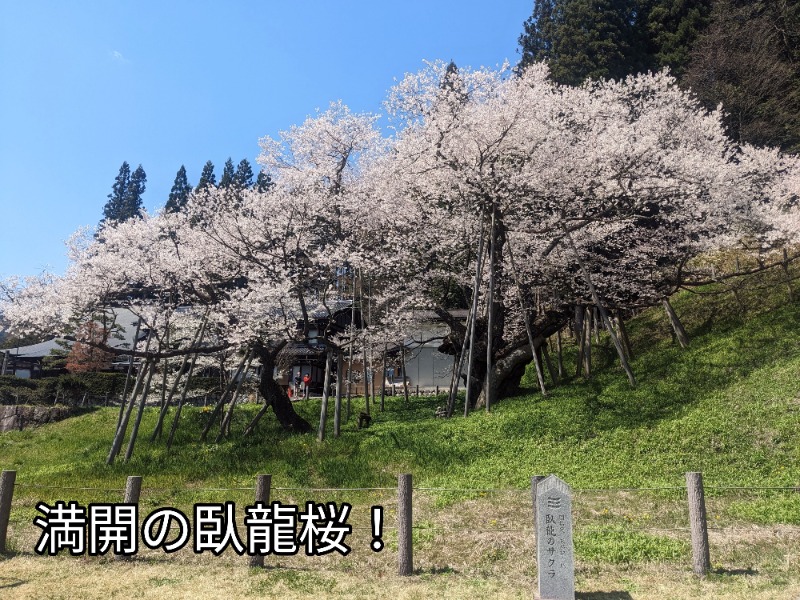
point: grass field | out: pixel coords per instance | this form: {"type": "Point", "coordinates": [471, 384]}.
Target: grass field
{"type": "Point", "coordinates": [727, 406]}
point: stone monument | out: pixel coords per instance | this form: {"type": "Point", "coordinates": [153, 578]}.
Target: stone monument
{"type": "Point", "coordinates": [554, 551]}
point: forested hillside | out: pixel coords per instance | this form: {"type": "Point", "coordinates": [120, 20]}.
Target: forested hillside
{"type": "Point", "coordinates": [742, 54]}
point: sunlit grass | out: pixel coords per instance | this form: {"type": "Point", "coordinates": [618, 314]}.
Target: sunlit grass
{"type": "Point", "coordinates": [727, 406]}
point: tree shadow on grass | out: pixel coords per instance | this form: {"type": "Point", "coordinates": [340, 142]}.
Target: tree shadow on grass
{"type": "Point", "coordinates": [670, 378]}
{"type": "Point", "coordinates": [10, 582]}
{"type": "Point", "coordinates": [735, 572]}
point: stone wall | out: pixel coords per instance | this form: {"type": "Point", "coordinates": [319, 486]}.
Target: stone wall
{"type": "Point", "coordinates": [15, 418]}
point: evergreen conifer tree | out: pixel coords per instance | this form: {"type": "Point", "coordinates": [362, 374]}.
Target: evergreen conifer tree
{"type": "Point", "coordinates": [114, 210]}
{"type": "Point", "coordinates": [243, 178]}
{"type": "Point", "coordinates": [207, 176]}
{"type": "Point", "coordinates": [583, 39]}
{"type": "Point", "coordinates": [673, 27]}
{"type": "Point", "coordinates": [133, 195]}
{"type": "Point", "coordinates": [179, 194]}
{"type": "Point", "coordinates": [227, 174]}
{"type": "Point", "coordinates": [263, 182]}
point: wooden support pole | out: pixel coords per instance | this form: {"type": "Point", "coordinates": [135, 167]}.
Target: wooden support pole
{"type": "Point", "coordinates": [323, 410]}
{"type": "Point", "coordinates": [249, 429]}
{"type": "Point", "coordinates": [337, 405]}
{"type": "Point", "coordinates": [140, 412]}
{"type": "Point", "coordinates": [128, 375]}
{"type": "Point", "coordinates": [677, 326]}
{"type": "Point", "coordinates": [528, 329]}
{"type": "Point", "coordinates": [579, 338]}
{"type": "Point", "coordinates": [623, 335]}
{"type": "Point", "coordinates": [133, 489]}
{"type": "Point", "coordinates": [218, 406]}
{"type": "Point", "coordinates": [177, 418]}
{"type": "Point", "coordinates": [403, 367]}
{"type": "Point", "coordinates": [549, 363]}
{"type": "Point", "coordinates": [263, 484]}
{"type": "Point", "coordinates": [119, 436]}
{"type": "Point", "coordinates": [701, 558]}
{"type": "Point", "coordinates": [383, 376]}
{"type": "Point", "coordinates": [225, 428]}
{"type": "Point", "coordinates": [560, 354]}
{"type": "Point", "coordinates": [601, 309]}
{"type": "Point", "coordinates": [587, 343]}
{"type": "Point", "coordinates": [489, 384]}
{"type": "Point", "coordinates": [7, 479]}
{"type": "Point", "coordinates": [366, 378]}
{"type": "Point", "coordinates": [784, 265]}
{"type": "Point", "coordinates": [405, 558]}
{"type": "Point", "coordinates": [472, 318]}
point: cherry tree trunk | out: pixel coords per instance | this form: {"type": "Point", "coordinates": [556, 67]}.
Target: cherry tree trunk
{"type": "Point", "coordinates": [274, 395]}
{"type": "Point", "coordinates": [510, 362]}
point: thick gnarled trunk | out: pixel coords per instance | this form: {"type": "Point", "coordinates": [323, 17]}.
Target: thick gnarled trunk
{"type": "Point", "coordinates": [509, 362]}
{"type": "Point", "coordinates": [508, 367]}
{"type": "Point", "coordinates": [274, 395]}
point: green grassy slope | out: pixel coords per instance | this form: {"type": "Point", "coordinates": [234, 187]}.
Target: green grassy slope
{"type": "Point", "coordinates": [728, 406]}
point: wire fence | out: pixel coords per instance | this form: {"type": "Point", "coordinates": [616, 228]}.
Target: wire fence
{"type": "Point", "coordinates": [455, 525]}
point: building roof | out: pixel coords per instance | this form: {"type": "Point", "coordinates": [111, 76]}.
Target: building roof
{"type": "Point", "coordinates": [124, 318]}
{"type": "Point", "coordinates": [39, 350]}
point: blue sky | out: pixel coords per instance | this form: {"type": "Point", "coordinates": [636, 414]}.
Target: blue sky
{"type": "Point", "coordinates": [85, 86]}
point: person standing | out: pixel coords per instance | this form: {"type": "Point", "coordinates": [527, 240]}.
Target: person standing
{"type": "Point", "coordinates": [306, 383]}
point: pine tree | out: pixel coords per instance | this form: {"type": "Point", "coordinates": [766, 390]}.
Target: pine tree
{"type": "Point", "coordinates": [207, 177]}
{"type": "Point", "coordinates": [179, 194]}
{"type": "Point", "coordinates": [114, 210]}
{"type": "Point", "coordinates": [243, 178]}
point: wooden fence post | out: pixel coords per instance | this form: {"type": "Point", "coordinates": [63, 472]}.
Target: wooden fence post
{"type": "Point", "coordinates": [405, 558]}
{"type": "Point", "coordinates": [133, 487]}
{"type": "Point", "coordinates": [701, 558]}
{"type": "Point", "coordinates": [7, 479]}
{"type": "Point", "coordinates": [263, 483]}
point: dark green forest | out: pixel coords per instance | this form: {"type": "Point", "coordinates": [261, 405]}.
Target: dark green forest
{"type": "Point", "coordinates": [740, 54]}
